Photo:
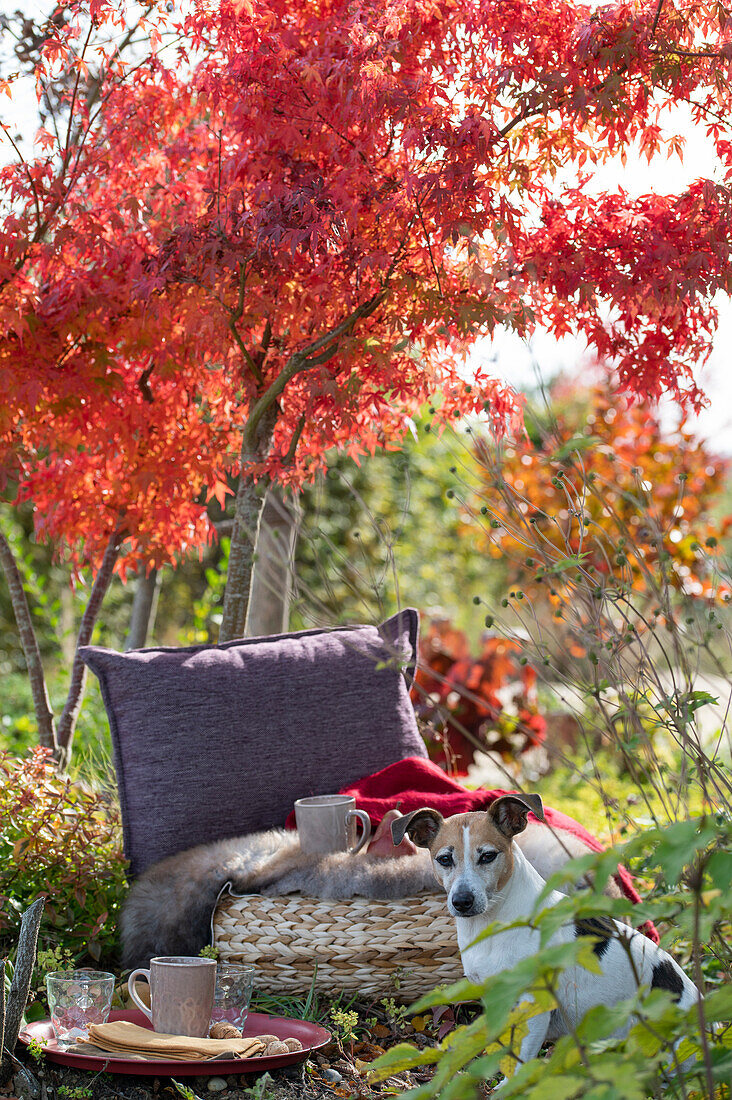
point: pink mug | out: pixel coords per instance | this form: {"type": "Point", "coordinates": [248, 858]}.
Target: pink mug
{"type": "Point", "coordinates": [181, 994]}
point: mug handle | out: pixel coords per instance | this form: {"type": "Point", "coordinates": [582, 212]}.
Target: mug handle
{"type": "Point", "coordinates": [363, 817]}
{"type": "Point", "coordinates": [139, 973]}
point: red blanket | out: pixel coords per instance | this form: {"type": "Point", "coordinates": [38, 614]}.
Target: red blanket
{"type": "Point", "coordinates": [415, 783]}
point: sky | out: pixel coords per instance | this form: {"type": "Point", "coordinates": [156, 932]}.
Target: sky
{"type": "Point", "coordinates": [515, 360]}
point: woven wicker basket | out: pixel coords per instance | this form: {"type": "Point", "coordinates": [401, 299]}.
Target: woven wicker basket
{"type": "Point", "coordinates": [400, 949]}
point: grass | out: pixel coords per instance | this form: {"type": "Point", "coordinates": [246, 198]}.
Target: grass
{"type": "Point", "coordinates": [18, 728]}
{"type": "Point", "coordinates": [602, 796]}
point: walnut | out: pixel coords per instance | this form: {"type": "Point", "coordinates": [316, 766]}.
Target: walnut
{"type": "Point", "coordinates": [223, 1030]}
{"type": "Point", "coordinates": [292, 1044]}
{"type": "Point", "coordinates": [276, 1047]}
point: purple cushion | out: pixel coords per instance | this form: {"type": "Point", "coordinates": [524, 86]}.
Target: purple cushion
{"type": "Point", "coordinates": [216, 741]}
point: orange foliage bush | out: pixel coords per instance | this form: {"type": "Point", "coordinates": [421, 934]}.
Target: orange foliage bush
{"type": "Point", "coordinates": [606, 491]}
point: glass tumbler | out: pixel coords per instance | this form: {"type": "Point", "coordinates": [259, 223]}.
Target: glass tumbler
{"type": "Point", "coordinates": [78, 998]}
{"type": "Point", "coordinates": [233, 993]}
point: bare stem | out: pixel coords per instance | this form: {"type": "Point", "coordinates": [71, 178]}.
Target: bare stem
{"type": "Point", "coordinates": [68, 719]}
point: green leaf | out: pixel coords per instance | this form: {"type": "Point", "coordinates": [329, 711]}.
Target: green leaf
{"type": "Point", "coordinates": [718, 1005]}
{"type": "Point", "coordinates": [459, 1048]}
{"type": "Point", "coordinates": [480, 1069]}
{"type": "Point", "coordinates": [721, 1064]}
{"type": "Point", "coordinates": [695, 699]}
{"type": "Point", "coordinates": [34, 1012]}
{"type": "Point", "coordinates": [573, 561]}
{"type": "Point", "coordinates": [461, 1087]}
{"type": "Point", "coordinates": [602, 1020]}
{"type": "Point", "coordinates": [676, 848]}
{"type": "Point", "coordinates": [448, 995]}
{"type": "Point", "coordinates": [399, 1058]}
{"type": "Point", "coordinates": [185, 1091]}
{"type": "Point", "coordinates": [562, 1087]}
{"type": "Point", "coordinates": [719, 869]}
{"type": "Point", "coordinates": [576, 443]}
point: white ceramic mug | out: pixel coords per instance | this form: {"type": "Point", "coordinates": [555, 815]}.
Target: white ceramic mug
{"type": "Point", "coordinates": [181, 993]}
{"type": "Point", "coordinates": [328, 822]}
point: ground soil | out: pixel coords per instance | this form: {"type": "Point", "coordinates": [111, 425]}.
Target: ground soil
{"type": "Point", "coordinates": [305, 1081]}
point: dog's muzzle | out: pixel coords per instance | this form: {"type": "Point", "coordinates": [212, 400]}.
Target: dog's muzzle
{"type": "Point", "coordinates": [464, 903]}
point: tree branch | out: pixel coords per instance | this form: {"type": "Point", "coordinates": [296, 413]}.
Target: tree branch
{"type": "Point", "coordinates": [656, 17]}
{"type": "Point", "coordinates": [67, 150]}
{"type": "Point", "coordinates": [239, 308]}
{"type": "Point", "coordinates": [29, 642]}
{"type": "Point", "coordinates": [429, 247]}
{"type": "Point", "coordinates": [289, 457]}
{"type": "Point", "coordinates": [143, 384]}
{"type": "Point", "coordinates": [246, 354]}
{"type": "Point", "coordinates": [301, 361]}
{"type": "Point", "coordinates": [31, 181]}
{"type": "Point", "coordinates": [674, 51]}
{"type": "Point", "coordinates": [70, 714]}
{"type": "Point", "coordinates": [234, 316]}
{"type": "Point", "coordinates": [264, 346]}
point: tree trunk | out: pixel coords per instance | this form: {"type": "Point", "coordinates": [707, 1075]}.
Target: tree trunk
{"type": "Point", "coordinates": [67, 623]}
{"type": "Point", "coordinates": [25, 961]}
{"type": "Point", "coordinates": [269, 604]}
{"type": "Point", "coordinates": [144, 606]}
{"type": "Point", "coordinates": [247, 517]}
{"type": "Point", "coordinates": [29, 642]}
{"type": "Point", "coordinates": [249, 506]}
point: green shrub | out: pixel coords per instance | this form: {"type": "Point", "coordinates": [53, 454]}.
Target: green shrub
{"type": "Point", "coordinates": [63, 841]}
{"type": "Point", "coordinates": [690, 864]}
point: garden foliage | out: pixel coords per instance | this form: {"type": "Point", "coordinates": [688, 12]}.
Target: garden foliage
{"type": "Point", "coordinates": [489, 695]}
{"type": "Point", "coordinates": [648, 495]}
{"type": "Point", "coordinates": [688, 869]}
{"type": "Point", "coordinates": [62, 841]}
{"type": "Point", "coordinates": [618, 602]}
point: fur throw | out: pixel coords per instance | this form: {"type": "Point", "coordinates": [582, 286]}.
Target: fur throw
{"type": "Point", "coordinates": [169, 907]}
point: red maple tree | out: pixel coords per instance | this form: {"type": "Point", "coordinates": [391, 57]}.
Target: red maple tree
{"type": "Point", "coordinates": [279, 230]}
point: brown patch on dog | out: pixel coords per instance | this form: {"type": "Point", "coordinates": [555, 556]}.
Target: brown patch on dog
{"type": "Point", "coordinates": [510, 812]}
{"type": "Point", "coordinates": [482, 830]}
{"type": "Point", "coordinates": [508, 871]}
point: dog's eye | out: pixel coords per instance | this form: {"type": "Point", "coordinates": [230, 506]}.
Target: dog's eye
{"type": "Point", "coordinates": [445, 860]}
{"type": "Point", "coordinates": [487, 857]}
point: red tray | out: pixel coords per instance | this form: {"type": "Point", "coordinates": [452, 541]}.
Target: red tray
{"type": "Point", "coordinates": [312, 1036]}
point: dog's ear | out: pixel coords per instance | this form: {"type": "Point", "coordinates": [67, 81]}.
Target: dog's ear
{"type": "Point", "coordinates": [509, 812]}
{"type": "Point", "coordinates": [421, 826]}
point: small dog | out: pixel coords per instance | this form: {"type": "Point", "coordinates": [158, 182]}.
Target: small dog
{"type": "Point", "coordinates": [487, 878]}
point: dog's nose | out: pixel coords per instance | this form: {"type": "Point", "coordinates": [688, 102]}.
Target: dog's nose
{"type": "Point", "coordinates": [463, 901]}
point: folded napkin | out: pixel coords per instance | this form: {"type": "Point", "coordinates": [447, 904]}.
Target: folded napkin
{"type": "Point", "coordinates": [132, 1041]}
